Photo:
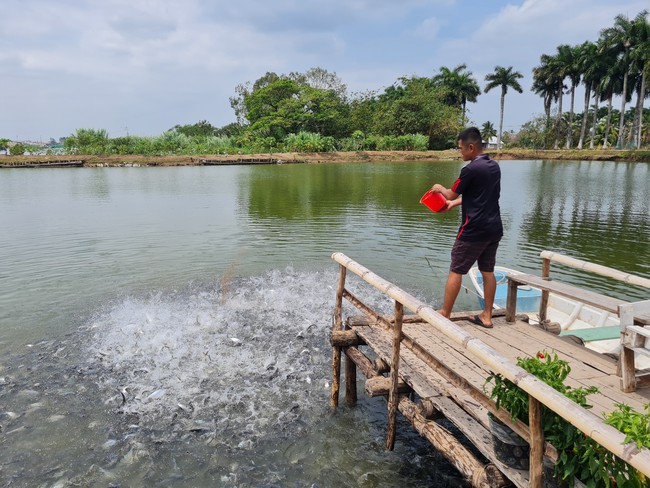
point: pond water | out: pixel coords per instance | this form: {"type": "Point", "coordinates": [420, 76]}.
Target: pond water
{"type": "Point", "coordinates": [168, 326]}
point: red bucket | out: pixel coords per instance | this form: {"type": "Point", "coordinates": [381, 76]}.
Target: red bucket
{"type": "Point", "coordinates": [435, 201]}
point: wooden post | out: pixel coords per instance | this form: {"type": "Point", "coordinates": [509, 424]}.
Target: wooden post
{"type": "Point", "coordinates": [394, 377]}
{"type": "Point", "coordinates": [350, 382]}
{"type": "Point", "coordinates": [626, 367]}
{"type": "Point", "coordinates": [543, 303]}
{"type": "Point", "coordinates": [536, 469]}
{"type": "Point", "coordinates": [336, 350]}
{"type": "Point", "coordinates": [511, 300]}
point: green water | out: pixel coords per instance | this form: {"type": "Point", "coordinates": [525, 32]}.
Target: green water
{"type": "Point", "coordinates": [73, 238]}
{"type": "Point", "coordinates": [87, 252]}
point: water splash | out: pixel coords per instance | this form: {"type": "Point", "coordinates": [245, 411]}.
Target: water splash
{"type": "Point", "coordinates": [206, 386]}
{"type": "Point", "coordinates": [242, 360]}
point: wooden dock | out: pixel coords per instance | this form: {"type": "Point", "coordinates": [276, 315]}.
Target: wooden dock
{"type": "Point", "coordinates": [68, 163]}
{"type": "Point", "coordinates": [445, 365]}
{"type": "Point", "coordinates": [235, 160]}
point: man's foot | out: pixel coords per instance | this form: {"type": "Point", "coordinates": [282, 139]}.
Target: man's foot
{"type": "Point", "coordinates": [443, 313]}
{"type": "Point", "coordinates": [476, 319]}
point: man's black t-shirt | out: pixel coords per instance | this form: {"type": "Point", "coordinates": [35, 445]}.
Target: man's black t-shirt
{"type": "Point", "coordinates": [480, 185]}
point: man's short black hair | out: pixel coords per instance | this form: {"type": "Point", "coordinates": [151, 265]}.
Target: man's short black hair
{"type": "Point", "coordinates": [471, 135]}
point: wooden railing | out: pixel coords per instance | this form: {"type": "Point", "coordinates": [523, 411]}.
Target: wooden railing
{"type": "Point", "coordinates": [633, 338]}
{"type": "Point", "coordinates": [539, 392]}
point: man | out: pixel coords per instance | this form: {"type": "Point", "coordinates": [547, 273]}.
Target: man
{"type": "Point", "coordinates": [477, 190]}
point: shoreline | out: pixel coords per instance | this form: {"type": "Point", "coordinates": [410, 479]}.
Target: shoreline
{"type": "Point", "coordinates": [316, 158]}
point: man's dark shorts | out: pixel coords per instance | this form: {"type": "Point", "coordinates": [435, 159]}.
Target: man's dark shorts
{"type": "Point", "coordinates": [465, 253]}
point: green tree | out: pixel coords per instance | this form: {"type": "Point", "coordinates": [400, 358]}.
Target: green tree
{"type": "Point", "coordinates": [459, 85]}
{"type": "Point", "coordinates": [415, 106]}
{"type": "Point", "coordinates": [488, 131]}
{"type": "Point", "coordinates": [87, 141]}
{"type": "Point", "coordinates": [504, 78]}
{"type": "Point", "coordinates": [545, 82]}
{"type": "Point", "coordinates": [202, 128]}
{"type": "Point", "coordinates": [18, 149]}
{"type": "Point", "coordinates": [4, 144]}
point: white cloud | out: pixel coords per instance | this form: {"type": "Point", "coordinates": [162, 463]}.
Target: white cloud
{"type": "Point", "coordinates": [428, 29]}
{"type": "Point", "coordinates": [163, 62]}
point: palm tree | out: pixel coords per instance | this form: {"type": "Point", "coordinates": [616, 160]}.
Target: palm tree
{"type": "Point", "coordinates": [545, 81]}
{"type": "Point", "coordinates": [619, 39]}
{"type": "Point", "coordinates": [488, 131]}
{"type": "Point", "coordinates": [610, 83]}
{"type": "Point", "coordinates": [564, 64]}
{"type": "Point", "coordinates": [574, 74]}
{"type": "Point", "coordinates": [641, 59]}
{"type": "Point", "coordinates": [505, 78]}
{"type": "Point", "coordinates": [459, 84]}
{"type": "Point", "coordinates": [589, 52]}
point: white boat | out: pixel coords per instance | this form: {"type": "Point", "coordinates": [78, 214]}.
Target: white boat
{"type": "Point", "coordinates": [599, 329]}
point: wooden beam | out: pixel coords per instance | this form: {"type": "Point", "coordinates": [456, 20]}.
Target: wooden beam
{"type": "Point", "coordinates": [511, 301]}
{"type": "Point", "coordinates": [478, 474]}
{"type": "Point", "coordinates": [380, 386]}
{"type": "Point", "coordinates": [344, 338]}
{"type": "Point", "coordinates": [596, 269]}
{"type": "Point", "coordinates": [536, 469]}
{"type": "Point", "coordinates": [543, 304]}
{"type": "Point", "coordinates": [336, 350]}
{"type": "Point", "coordinates": [393, 395]}
{"type": "Point", "coordinates": [361, 360]}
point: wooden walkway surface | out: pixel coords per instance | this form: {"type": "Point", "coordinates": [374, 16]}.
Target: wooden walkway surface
{"type": "Point", "coordinates": [428, 358]}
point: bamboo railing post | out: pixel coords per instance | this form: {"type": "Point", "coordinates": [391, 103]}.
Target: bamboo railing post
{"type": "Point", "coordinates": [546, 274]}
{"type": "Point", "coordinates": [350, 381]}
{"type": "Point", "coordinates": [394, 377]}
{"type": "Point", "coordinates": [336, 350]}
{"type": "Point", "coordinates": [511, 300]}
{"type": "Point", "coordinates": [536, 469]}
{"type": "Point", "coordinates": [626, 364]}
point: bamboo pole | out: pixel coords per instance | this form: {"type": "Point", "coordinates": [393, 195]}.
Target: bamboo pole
{"type": "Point", "coordinates": [362, 362]}
{"type": "Point", "coordinates": [596, 268]}
{"type": "Point", "coordinates": [350, 381]}
{"type": "Point", "coordinates": [607, 436]}
{"type": "Point", "coordinates": [478, 474]}
{"type": "Point", "coordinates": [394, 377]}
{"type": "Point", "coordinates": [336, 350]}
{"type": "Point", "coordinates": [344, 338]}
{"type": "Point", "coordinates": [543, 303]}
{"type": "Point", "coordinates": [536, 469]}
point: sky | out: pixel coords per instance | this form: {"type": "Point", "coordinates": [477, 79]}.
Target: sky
{"type": "Point", "coordinates": [140, 67]}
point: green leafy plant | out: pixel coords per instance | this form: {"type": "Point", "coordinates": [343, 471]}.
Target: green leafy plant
{"type": "Point", "coordinates": [579, 456]}
{"type": "Point", "coordinates": [553, 371]}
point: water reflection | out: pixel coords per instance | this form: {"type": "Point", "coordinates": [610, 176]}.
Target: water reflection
{"type": "Point", "coordinates": [597, 211]}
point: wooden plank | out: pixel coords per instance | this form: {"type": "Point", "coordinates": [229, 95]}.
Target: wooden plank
{"type": "Point", "coordinates": [588, 367]}
{"type": "Point", "coordinates": [585, 296]}
{"type": "Point", "coordinates": [595, 333]}
{"type": "Point", "coordinates": [393, 396]}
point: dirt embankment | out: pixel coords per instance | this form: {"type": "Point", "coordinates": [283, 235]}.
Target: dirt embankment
{"type": "Point", "coordinates": [330, 157]}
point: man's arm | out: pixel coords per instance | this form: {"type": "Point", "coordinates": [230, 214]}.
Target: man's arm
{"type": "Point", "coordinates": [447, 193]}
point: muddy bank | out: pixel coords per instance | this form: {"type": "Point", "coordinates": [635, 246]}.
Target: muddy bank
{"type": "Point", "coordinates": [330, 157]}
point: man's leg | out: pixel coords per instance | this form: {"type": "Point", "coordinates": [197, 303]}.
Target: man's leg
{"type": "Point", "coordinates": [486, 263]}
{"type": "Point", "coordinates": [489, 290]}
{"type": "Point", "coordinates": [454, 282]}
